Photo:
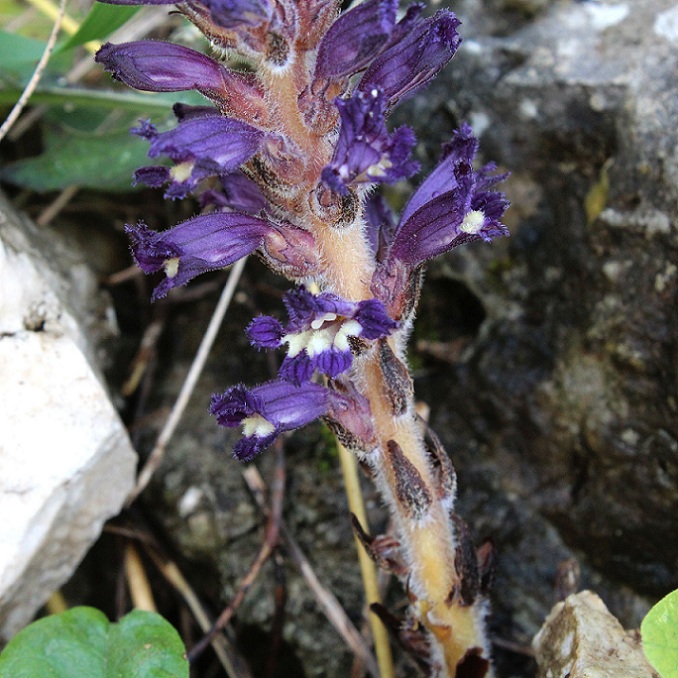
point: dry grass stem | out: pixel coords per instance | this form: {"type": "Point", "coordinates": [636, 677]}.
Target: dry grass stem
{"type": "Point", "coordinates": [158, 452]}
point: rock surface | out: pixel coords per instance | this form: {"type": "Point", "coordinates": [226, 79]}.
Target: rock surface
{"type": "Point", "coordinates": [66, 463]}
{"type": "Point", "coordinates": [581, 639]}
{"type": "Point", "coordinates": [568, 370]}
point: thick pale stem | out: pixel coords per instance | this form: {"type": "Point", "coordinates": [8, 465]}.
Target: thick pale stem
{"type": "Point", "coordinates": [447, 607]}
{"type": "Point", "coordinates": [425, 530]}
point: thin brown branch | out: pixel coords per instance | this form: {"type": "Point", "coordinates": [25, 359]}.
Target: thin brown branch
{"type": "Point", "coordinates": [158, 452]}
{"type": "Point", "coordinates": [329, 604]}
{"type": "Point", "coordinates": [37, 74]}
{"type": "Point", "coordinates": [269, 543]}
{"type": "Point", "coordinates": [234, 665]}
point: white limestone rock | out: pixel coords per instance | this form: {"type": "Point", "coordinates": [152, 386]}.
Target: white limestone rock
{"type": "Point", "coordinates": [581, 639]}
{"type": "Point", "coordinates": [66, 463]}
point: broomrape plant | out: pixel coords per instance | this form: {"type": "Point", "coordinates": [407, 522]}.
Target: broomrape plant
{"type": "Point", "coordinates": [285, 160]}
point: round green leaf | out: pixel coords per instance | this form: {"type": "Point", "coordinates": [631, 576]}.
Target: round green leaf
{"type": "Point", "coordinates": [81, 642]}
{"type": "Point", "coordinates": [659, 631]}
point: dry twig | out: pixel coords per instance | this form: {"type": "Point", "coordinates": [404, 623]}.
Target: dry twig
{"type": "Point", "coordinates": [37, 74]}
{"type": "Point", "coordinates": [271, 535]}
{"type": "Point", "coordinates": [328, 603]}
{"type": "Point", "coordinates": [158, 452]}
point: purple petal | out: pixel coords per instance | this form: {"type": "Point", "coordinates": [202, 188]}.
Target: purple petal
{"type": "Point", "coordinates": [290, 406]}
{"type": "Point", "coordinates": [443, 224]}
{"type": "Point", "coordinates": [317, 334]}
{"type": "Point", "coordinates": [237, 403]}
{"type": "Point", "coordinates": [248, 447]}
{"type": "Point", "coordinates": [462, 148]}
{"type": "Point", "coordinates": [265, 332]}
{"type": "Point", "coordinates": [214, 145]}
{"type": "Point", "coordinates": [233, 13]}
{"type": "Point", "coordinates": [374, 319]}
{"type": "Point", "coordinates": [238, 193]}
{"type": "Point", "coordinates": [303, 307]}
{"type": "Point", "coordinates": [297, 370]}
{"type": "Point", "coordinates": [454, 205]}
{"type": "Point", "coordinates": [227, 143]}
{"type": "Point", "coordinates": [355, 38]}
{"type": "Point", "coordinates": [152, 176]}
{"type": "Point", "coordinates": [201, 244]}
{"type": "Point", "coordinates": [281, 403]}
{"type": "Point", "coordinates": [431, 230]}
{"type": "Point", "coordinates": [273, 407]}
{"type": "Point", "coordinates": [146, 130]}
{"type": "Point", "coordinates": [422, 49]}
{"type": "Point", "coordinates": [333, 362]}
{"type": "Point", "coordinates": [155, 66]}
{"type": "Point", "coordinates": [365, 151]}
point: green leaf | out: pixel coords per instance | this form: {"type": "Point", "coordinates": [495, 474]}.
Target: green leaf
{"type": "Point", "coordinates": [19, 55]}
{"type": "Point", "coordinates": [77, 96]}
{"type": "Point", "coordinates": [104, 162]}
{"type": "Point", "coordinates": [659, 631]}
{"type": "Point", "coordinates": [101, 21]}
{"type": "Point", "coordinates": [81, 643]}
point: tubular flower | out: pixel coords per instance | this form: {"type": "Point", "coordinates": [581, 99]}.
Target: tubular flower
{"type": "Point", "coordinates": [414, 55]}
{"type": "Point", "coordinates": [365, 152]}
{"type": "Point", "coordinates": [268, 410]}
{"type": "Point", "coordinates": [201, 244]}
{"type": "Point", "coordinates": [155, 66]}
{"type": "Point", "coordinates": [453, 206]}
{"type": "Point", "coordinates": [355, 39]}
{"type": "Point", "coordinates": [201, 147]}
{"type": "Point", "coordinates": [318, 332]}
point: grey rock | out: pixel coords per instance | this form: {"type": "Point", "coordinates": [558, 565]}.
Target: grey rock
{"type": "Point", "coordinates": [563, 399]}
{"type": "Point", "coordinates": [66, 461]}
{"type": "Point", "coordinates": [581, 639]}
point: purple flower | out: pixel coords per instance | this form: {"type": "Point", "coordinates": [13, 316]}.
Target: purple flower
{"type": "Point", "coordinates": [317, 334]}
{"type": "Point", "coordinates": [233, 13]}
{"type": "Point", "coordinates": [201, 146]}
{"type": "Point", "coordinates": [453, 206]}
{"type": "Point", "coordinates": [225, 13]}
{"type": "Point", "coordinates": [238, 192]}
{"type": "Point", "coordinates": [416, 52]}
{"type": "Point", "coordinates": [355, 38]}
{"type": "Point", "coordinates": [268, 410]}
{"type": "Point", "coordinates": [365, 152]}
{"type": "Point", "coordinates": [201, 244]}
{"type": "Point", "coordinates": [155, 66]}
